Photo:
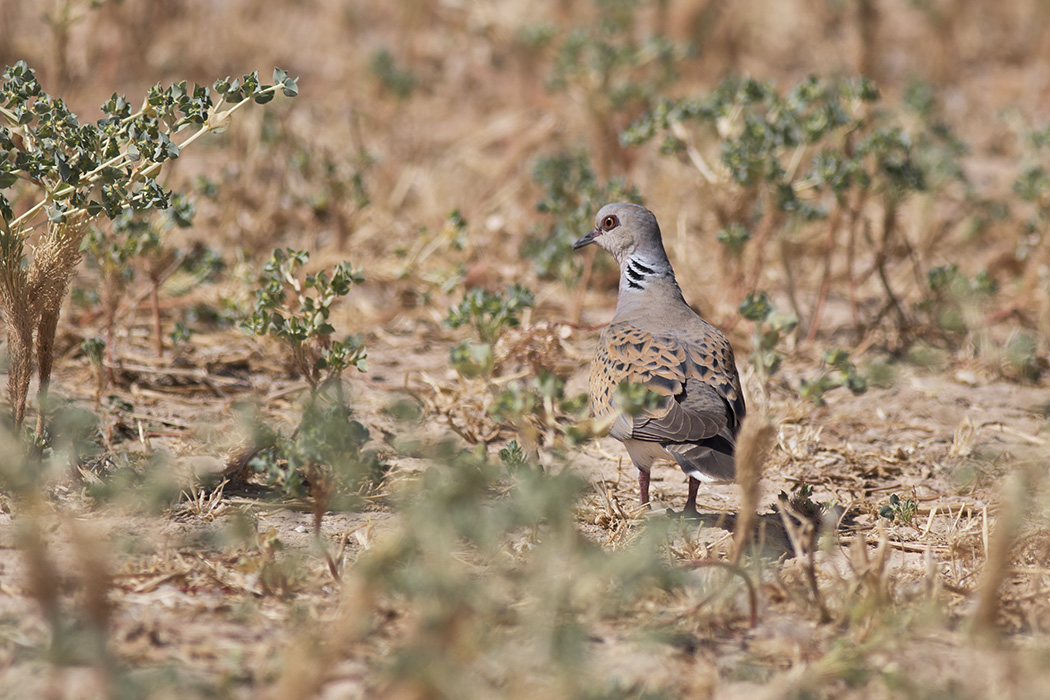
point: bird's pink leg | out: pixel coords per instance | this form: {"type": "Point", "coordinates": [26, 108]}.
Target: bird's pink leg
{"type": "Point", "coordinates": [643, 487]}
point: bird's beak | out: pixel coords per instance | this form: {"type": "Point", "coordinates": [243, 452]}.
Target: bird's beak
{"type": "Point", "coordinates": [586, 240]}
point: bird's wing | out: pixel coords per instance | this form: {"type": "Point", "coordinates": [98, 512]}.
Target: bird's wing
{"type": "Point", "coordinates": [697, 376]}
{"type": "Point", "coordinates": [695, 413]}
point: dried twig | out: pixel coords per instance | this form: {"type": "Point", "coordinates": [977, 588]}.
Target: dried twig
{"type": "Point", "coordinates": [802, 533]}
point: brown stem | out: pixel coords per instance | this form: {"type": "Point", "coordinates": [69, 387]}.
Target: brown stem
{"type": "Point", "coordinates": [160, 271]}
{"type": "Point", "coordinates": [154, 298]}
{"type": "Point", "coordinates": [20, 349]}
{"type": "Point", "coordinates": [765, 229]}
{"type": "Point", "coordinates": [45, 355]}
{"type": "Point", "coordinates": [112, 293]}
{"type": "Point", "coordinates": [48, 279]}
{"type": "Point", "coordinates": [100, 383]}
{"type": "Point", "coordinates": [790, 286]}
{"type": "Point", "coordinates": [868, 27]}
{"type": "Point", "coordinates": [825, 281]}
{"type": "Point", "coordinates": [889, 225]}
{"type": "Point", "coordinates": [851, 258]}
{"type": "Point", "coordinates": [321, 490]}
{"type": "Point", "coordinates": [802, 533]}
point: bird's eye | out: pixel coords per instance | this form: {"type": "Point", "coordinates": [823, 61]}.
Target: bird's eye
{"type": "Point", "coordinates": [609, 222]}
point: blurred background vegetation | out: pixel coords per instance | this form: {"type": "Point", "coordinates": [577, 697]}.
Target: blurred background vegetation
{"type": "Point", "coordinates": [419, 109]}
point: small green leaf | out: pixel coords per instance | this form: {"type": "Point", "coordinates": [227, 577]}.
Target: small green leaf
{"type": "Point", "coordinates": [756, 307]}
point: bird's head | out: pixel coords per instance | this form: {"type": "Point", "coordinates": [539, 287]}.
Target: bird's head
{"type": "Point", "coordinates": [623, 229]}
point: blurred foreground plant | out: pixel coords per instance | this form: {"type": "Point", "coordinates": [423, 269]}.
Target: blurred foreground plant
{"type": "Point", "coordinates": [487, 588]}
{"type": "Point", "coordinates": [324, 457]}
{"type": "Point", "coordinates": [76, 173]}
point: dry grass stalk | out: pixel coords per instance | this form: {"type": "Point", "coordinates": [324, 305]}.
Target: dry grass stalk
{"type": "Point", "coordinates": [834, 221]}
{"type": "Point", "coordinates": [203, 503]}
{"type": "Point", "coordinates": [17, 303]}
{"type": "Point", "coordinates": [1016, 503]}
{"type": "Point", "coordinates": [871, 572]}
{"type": "Point", "coordinates": [31, 298]}
{"type": "Point", "coordinates": [757, 435]}
{"type": "Point", "coordinates": [92, 580]}
{"type": "Point", "coordinates": [56, 258]}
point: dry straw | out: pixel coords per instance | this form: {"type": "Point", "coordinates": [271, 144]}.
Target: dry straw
{"type": "Point", "coordinates": [757, 434]}
{"type": "Point", "coordinates": [1015, 505]}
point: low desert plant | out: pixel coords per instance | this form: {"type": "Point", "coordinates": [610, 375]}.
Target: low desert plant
{"type": "Point", "coordinates": [325, 450]}
{"type": "Point", "coordinates": [394, 79]}
{"type": "Point", "coordinates": [770, 328]}
{"type": "Point", "coordinates": [488, 314]}
{"type": "Point", "coordinates": [572, 195]}
{"type": "Point", "coordinates": [902, 510]}
{"type": "Point", "coordinates": [77, 173]}
{"type": "Point", "coordinates": [134, 238]}
{"type": "Point", "coordinates": [303, 323]}
{"type": "Point", "coordinates": [837, 371]}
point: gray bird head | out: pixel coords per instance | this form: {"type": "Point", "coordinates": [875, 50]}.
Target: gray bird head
{"type": "Point", "coordinates": [626, 230]}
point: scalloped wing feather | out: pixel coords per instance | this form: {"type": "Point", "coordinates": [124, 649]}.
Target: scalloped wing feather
{"type": "Point", "coordinates": [697, 422]}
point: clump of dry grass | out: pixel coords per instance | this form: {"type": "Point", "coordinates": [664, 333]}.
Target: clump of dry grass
{"type": "Point", "coordinates": [30, 298]}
